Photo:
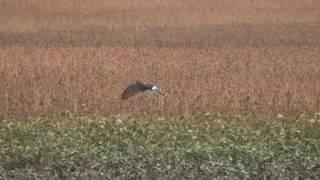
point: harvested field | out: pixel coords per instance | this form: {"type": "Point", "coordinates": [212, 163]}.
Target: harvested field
{"type": "Point", "coordinates": [226, 56]}
{"type": "Point", "coordinates": [91, 79]}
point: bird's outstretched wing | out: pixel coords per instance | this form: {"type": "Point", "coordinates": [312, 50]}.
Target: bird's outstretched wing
{"type": "Point", "coordinates": [142, 86]}
{"type": "Point", "coordinates": [132, 90]}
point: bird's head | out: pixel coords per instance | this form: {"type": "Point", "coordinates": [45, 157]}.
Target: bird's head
{"type": "Point", "coordinates": [158, 90]}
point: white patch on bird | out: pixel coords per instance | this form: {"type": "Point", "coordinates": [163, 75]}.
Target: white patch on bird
{"type": "Point", "coordinates": [155, 88]}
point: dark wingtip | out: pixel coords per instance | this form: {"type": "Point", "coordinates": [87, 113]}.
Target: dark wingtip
{"type": "Point", "coordinates": [124, 97]}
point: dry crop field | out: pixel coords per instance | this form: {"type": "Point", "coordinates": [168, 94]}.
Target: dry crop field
{"type": "Point", "coordinates": [210, 55]}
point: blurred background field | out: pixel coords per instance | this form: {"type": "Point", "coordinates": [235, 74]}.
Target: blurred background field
{"type": "Point", "coordinates": [226, 56]}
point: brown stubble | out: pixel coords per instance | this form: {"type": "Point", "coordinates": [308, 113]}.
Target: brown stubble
{"type": "Point", "coordinates": [91, 80]}
{"type": "Point", "coordinates": [226, 56]}
{"type": "Point", "coordinates": [34, 16]}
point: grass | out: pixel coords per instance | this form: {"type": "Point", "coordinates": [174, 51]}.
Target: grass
{"type": "Point", "coordinates": [184, 147]}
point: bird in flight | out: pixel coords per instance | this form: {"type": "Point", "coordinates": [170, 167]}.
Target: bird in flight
{"type": "Point", "coordinates": [139, 87]}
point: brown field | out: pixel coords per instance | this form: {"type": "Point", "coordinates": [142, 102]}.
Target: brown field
{"type": "Point", "coordinates": [210, 55]}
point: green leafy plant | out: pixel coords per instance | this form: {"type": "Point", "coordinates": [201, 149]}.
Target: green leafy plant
{"type": "Point", "coordinates": [66, 146]}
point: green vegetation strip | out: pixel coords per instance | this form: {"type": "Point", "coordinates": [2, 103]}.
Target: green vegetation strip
{"type": "Point", "coordinates": [186, 147]}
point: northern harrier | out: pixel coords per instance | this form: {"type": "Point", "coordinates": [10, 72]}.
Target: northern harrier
{"type": "Point", "coordinates": [139, 87]}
